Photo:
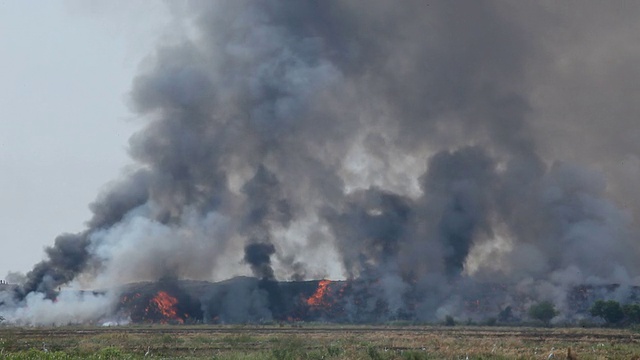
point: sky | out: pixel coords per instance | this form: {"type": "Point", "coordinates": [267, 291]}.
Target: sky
{"type": "Point", "coordinates": [66, 69]}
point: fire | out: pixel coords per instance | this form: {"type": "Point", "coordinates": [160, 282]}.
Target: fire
{"type": "Point", "coordinates": [166, 306]}
{"type": "Point", "coordinates": [126, 299]}
{"type": "Point", "coordinates": [317, 298]}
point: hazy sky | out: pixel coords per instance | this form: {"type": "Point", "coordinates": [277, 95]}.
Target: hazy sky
{"type": "Point", "coordinates": [66, 68]}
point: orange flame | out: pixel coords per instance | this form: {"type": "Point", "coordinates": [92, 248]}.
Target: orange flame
{"type": "Point", "coordinates": [166, 305]}
{"type": "Point", "coordinates": [317, 298]}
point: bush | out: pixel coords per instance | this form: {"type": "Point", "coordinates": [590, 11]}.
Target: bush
{"type": "Point", "coordinates": [334, 351]}
{"type": "Point", "coordinates": [109, 353]}
{"type": "Point", "coordinates": [290, 349]}
{"type": "Point", "coordinates": [505, 314]}
{"type": "Point", "coordinates": [610, 311]}
{"type": "Point", "coordinates": [373, 353]}
{"type": "Point", "coordinates": [492, 321]}
{"type": "Point", "coordinates": [543, 311]}
{"type": "Point", "coordinates": [632, 313]}
{"type": "Point", "coordinates": [449, 321]}
{"type": "Point", "coordinates": [415, 355]}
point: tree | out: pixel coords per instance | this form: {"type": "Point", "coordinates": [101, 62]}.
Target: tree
{"type": "Point", "coordinates": [543, 311]}
{"type": "Point", "coordinates": [609, 310]}
{"type": "Point", "coordinates": [505, 314]}
{"type": "Point", "coordinates": [449, 321]}
{"type": "Point", "coordinates": [632, 313]}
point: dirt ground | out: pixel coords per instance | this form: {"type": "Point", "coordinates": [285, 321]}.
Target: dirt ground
{"type": "Point", "coordinates": [335, 341]}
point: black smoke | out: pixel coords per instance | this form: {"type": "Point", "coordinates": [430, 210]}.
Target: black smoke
{"type": "Point", "coordinates": [258, 255]}
{"type": "Point", "coordinates": [66, 258]}
{"type": "Point", "coordinates": [460, 186]}
{"type": "Point", "coordinates": [413, 146]}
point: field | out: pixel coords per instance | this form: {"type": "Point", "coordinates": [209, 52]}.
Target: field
{"type": "Point", "coordinates": [315, 341]}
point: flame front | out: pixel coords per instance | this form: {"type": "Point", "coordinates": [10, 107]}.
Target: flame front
{"type": "Point", "coordinates": [166, 306]}
{"type": "Point", "coordinates": [317, 298]}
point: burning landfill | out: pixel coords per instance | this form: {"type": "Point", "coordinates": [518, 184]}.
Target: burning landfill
{"type": "Point", "coordinates": [432, 158]}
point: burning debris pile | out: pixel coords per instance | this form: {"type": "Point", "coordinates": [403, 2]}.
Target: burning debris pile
{"type": "Point", "coordinates": [249, 300]}
{"type": "Point", "coordinates": [419, 152]}
{"type": "Point", "coordinates": [164, 302]}
{"type": "Point", "coordinates": [320, 298]}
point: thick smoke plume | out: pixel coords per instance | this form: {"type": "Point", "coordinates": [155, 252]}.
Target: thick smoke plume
{"type": "Point", "coordinates": [259, 256]}
{"type": "Point", "coordinates": [423, 148]}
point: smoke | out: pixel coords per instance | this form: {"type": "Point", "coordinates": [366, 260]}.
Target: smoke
{"type": "Point", "coordinates": [259, 257]}
{"type": "Point", "coordinates": [65, 260]}
{"type": "Point", "coordinates": [459, 187]}
{"type": "Point", "coordinates": [423, 148]}
{"type": "Point", "coordinates": [236, 302]}
{"type": "Point", "coordinates": [70, 307]}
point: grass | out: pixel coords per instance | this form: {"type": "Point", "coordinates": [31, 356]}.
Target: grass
{"type": "Point", "coordinates": [391, 342]}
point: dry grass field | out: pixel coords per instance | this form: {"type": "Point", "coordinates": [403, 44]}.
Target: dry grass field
{"type": "Point", "coordinates": [316, 341]}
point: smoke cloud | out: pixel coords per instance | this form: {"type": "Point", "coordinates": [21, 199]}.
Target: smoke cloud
{"type": "Point", "coordinates": [259, 257]}
{"type": "Point", "coordinates": [423, 148]}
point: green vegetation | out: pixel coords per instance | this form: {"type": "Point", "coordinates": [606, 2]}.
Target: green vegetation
{"type": "Point", "coordinates": [615, 314]}
{"type": "Point", "coordinates": [449, 321]}
{"type": "Point", "coordinates": [610, 311]}
{"type": "Point", "coordinates": [543, 311]}
{"type": "Point", "coordinates": [632, 313]}
{"type": "Point", "coordinates": [505, 315]}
